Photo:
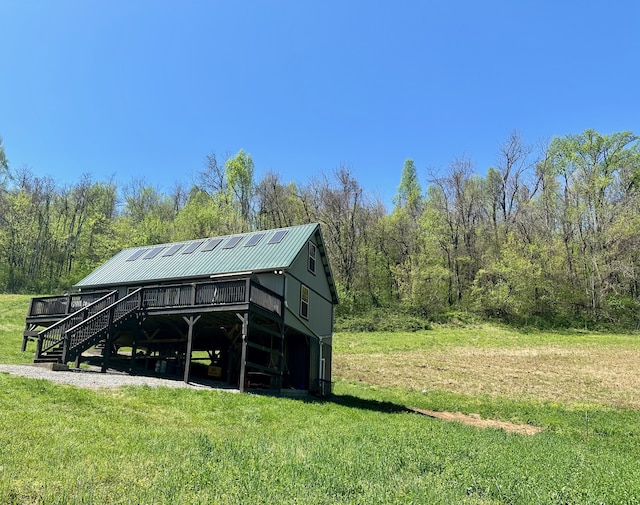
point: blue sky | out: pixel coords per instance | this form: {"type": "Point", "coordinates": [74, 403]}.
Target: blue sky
{"type": "Point", "coordinates": [148, 88]}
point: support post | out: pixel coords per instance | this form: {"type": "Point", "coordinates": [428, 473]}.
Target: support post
{"type": "Point", "coordinates": [108, 345]}
{"type": "Point", "coordinates": [106, 354]}
{"type": "Point", "coordinates": [39, 347]}
{"type": "Point", "coordinates": [191, 321]}
{"type": "Point", "coordinates": [28, 330]}
{"type": "Point", "coordinates": [137, 337]}
{"type": "Point", "coordinates": [243, 358]}
{"type": "Point", "coordinates": [247, 290]}
{"type": "Point", "coordinates": [281, 360]}
{"type": "Point", "coordinates": [67, 309]}
{"type": "Point", "coordinates": [134, 349]}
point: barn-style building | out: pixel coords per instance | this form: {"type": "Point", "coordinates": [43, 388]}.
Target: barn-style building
{"type": "Point", "coordinates": [252, 310]}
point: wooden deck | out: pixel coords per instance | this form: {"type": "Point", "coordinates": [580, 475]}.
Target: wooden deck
{"type": "Point", "coordinates": [72, 324]}
{"type": "Point", "coordinates": [205, 296]}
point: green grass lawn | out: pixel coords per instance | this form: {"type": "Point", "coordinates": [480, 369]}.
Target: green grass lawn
{"type": "Point", "coordinates": [61, 444]}
{"type": "Point", "coordinates": [13, 310]}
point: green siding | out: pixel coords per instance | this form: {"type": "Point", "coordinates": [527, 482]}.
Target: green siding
{"type": "Point", "coordinates": [272, 281]}
{"type": "Point", "coordinates": [320, 310]}
{"type": "Point", "coordinates": [322, 291]}
{"type": "Point", "coordinates": [318, 281]}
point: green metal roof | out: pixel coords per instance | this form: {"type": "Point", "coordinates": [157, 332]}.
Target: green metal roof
{"type": "Point", "coordinates": [165, 262]}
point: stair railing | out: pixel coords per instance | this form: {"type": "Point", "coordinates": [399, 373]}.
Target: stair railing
{"type": "Point", "coordinates": [84, 334]}
{"type": "Point", "coordinates": [54, 335]}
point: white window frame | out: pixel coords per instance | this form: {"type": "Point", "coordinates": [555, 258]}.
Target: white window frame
{"type": "Point", "coordinates": [311, 260]}
{"type": "Point", "coordinates": [305, 297]}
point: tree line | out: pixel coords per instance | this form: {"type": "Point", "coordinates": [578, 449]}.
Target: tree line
{"type": "Point", "coordinates": [550, 235]}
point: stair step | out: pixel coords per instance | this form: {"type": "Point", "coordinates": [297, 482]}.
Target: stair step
{"type": "Point", "coordinates": [56, 351]}
{"type": "Point", "coordinates": [46, 359]}
{"type": "Point", "coordinates": [50, 355]}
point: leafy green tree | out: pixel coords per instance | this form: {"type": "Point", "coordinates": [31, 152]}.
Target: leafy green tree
{"type": "Point", "coordinates": [401, 238]}
{"type": "Point", "coordinates": [514, 288]}
{"type": "Point", "coordinates": [597, 173]}
{"type": "Point", "coordinates": [239, 176]}
{"type": "Point", "coordinates": [409, 196]}
{"type": "Point", "coordinates": [206, 215]}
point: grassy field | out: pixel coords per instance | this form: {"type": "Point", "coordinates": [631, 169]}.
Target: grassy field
{"type": "Point", "coordinates": [61, 444]}
{"type": "Point", "coordinates": [567, 367]}
{"type": "Point", "coordinates": [13, 310]}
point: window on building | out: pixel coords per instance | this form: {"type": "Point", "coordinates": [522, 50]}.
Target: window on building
{"type": "Point", "coordinates": [311, 264]}
{"type": "Point", "coordinates": [304, 301]}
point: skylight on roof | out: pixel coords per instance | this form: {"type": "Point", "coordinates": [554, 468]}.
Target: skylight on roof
{"type": "Point", "coordinates": [174, 249]}
{"type": "Point", "coordinates": [278, 236]}
{"type": "Point", "coordinates": [232, 242]}
{"type": "Point", "coordinates": [137, 254]}
{"type": "Point", "coordinates": [254, 239]}
{"type": "Point", "coordinates": [153, 253]}
{"type": "Point", "coordinates": [211, 245]}
{"type": "Point", "coordinates": [192, 247]}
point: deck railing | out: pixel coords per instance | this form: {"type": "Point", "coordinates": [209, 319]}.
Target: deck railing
{"type": "Point", "coordinates": [221, 292]}
{"type": "Point", "coordinates": [61, 305]}
{"type": "Point", "coordinates": [211, 293]}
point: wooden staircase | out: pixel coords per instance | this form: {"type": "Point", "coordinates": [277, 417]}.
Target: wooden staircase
{"type": "Point", "coordinates": [67, 339]}
{"type": "Point", "coordinates": [50, 341]}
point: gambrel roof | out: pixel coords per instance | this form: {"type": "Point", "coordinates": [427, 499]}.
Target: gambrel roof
{"type": "Point", "coordinates": [254, 252]}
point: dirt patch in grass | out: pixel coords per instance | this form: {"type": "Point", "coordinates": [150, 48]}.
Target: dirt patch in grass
{"type": "Point", "coordinates": [571, 374]}
{"type": "Point", "coordinates": [476, 421]}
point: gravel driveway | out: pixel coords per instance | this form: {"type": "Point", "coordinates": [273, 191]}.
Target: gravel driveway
{"type": "Point", "coordinates": [92, 378]}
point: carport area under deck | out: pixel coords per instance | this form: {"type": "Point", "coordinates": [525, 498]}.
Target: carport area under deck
{"type": "Point", "coordinates": [208, 346]}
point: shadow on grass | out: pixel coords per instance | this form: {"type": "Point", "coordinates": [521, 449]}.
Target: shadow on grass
{"type": "Point", "coordinates": [349, 401]}
{"type": "Point", "coordinates": [355, 402]}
